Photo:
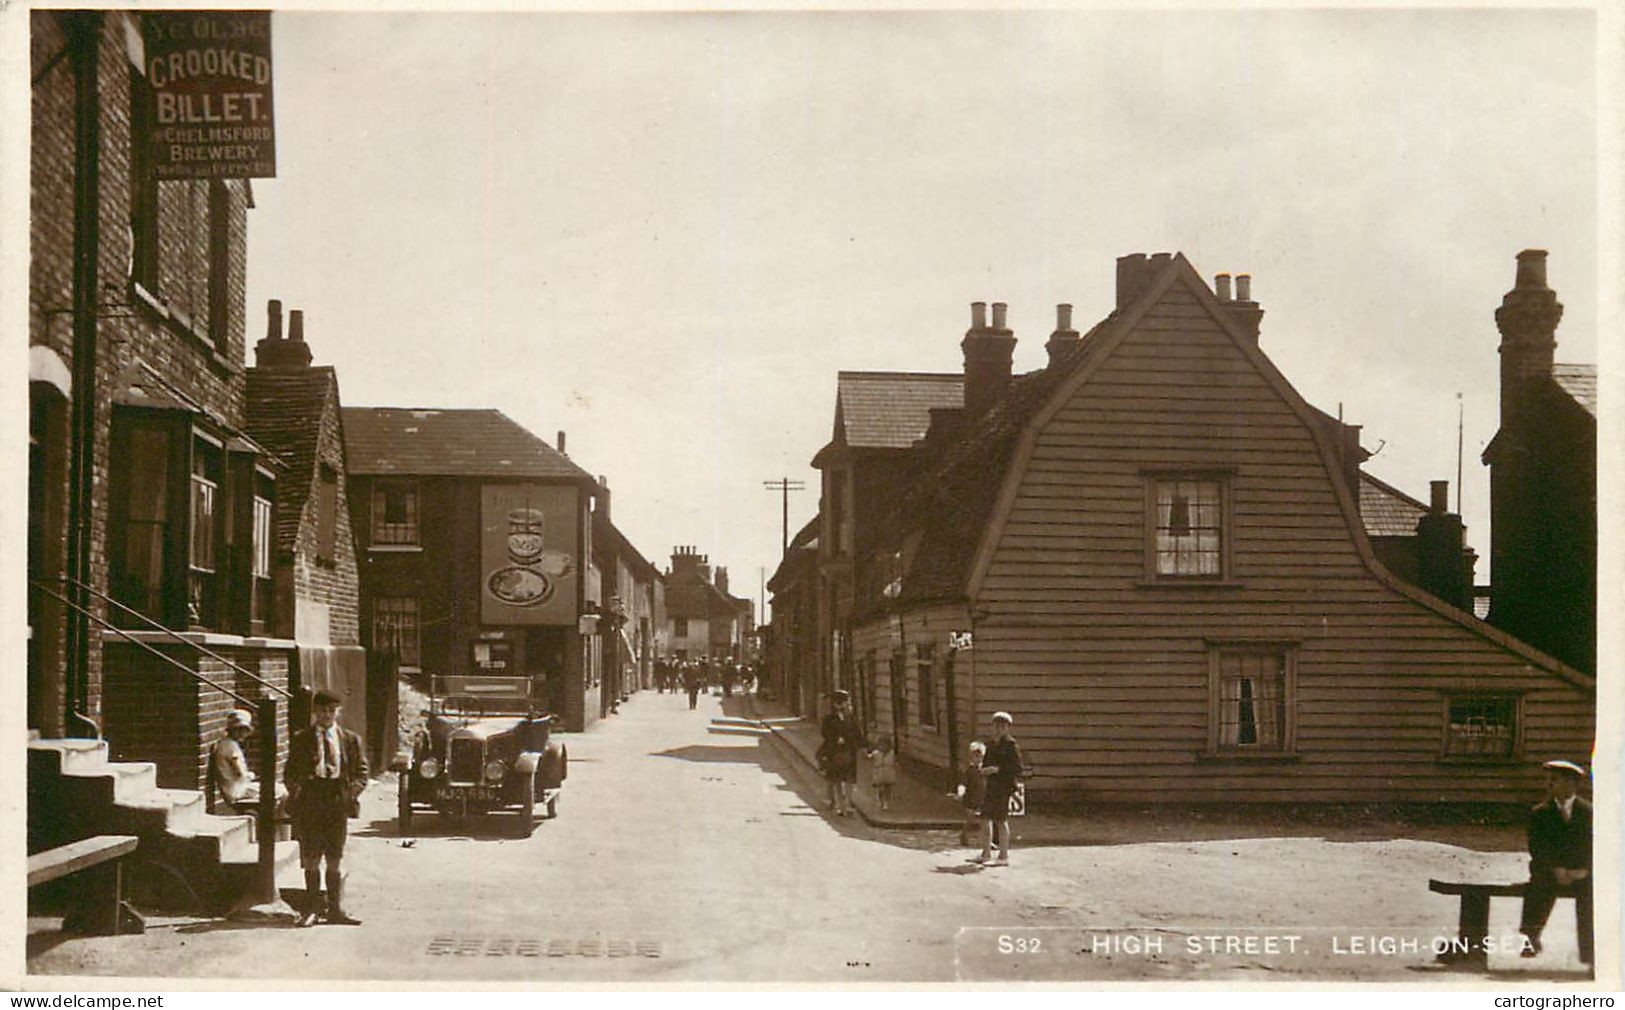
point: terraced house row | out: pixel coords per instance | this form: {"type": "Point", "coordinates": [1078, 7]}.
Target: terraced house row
{"type": "Point", "coordinates": [1174, 573]}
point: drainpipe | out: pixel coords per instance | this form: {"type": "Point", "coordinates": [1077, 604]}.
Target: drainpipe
{"type": "Point", "coordinates": [84, 42]}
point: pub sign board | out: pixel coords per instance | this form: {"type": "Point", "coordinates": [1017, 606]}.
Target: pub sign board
{"type": "Point", "coordinates": [210, 74]}
{"type": "Point", "coordinates": [529, 555]}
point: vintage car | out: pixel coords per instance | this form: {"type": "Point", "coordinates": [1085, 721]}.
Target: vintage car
{"type": "Point", "coordinates": [483, 747]}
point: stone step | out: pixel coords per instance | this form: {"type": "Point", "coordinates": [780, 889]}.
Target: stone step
{"type": "Point", "coordinates": [182, 808]}
{"type": "Point", "coordinates": [73, 755]}
{"type": "Point", "coordinates": [228, 833]}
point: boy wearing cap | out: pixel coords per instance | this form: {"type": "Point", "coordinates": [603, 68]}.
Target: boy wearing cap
{"type": "Point", "coordinates": [326, 773]}
{"type": "Point", "coordinates": [1001, 767]}
{"type": "Point", "coordinates": [1559, 857]}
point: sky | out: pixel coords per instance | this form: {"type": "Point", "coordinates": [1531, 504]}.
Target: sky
{"type": "Point", "coordinates": [666, 233]}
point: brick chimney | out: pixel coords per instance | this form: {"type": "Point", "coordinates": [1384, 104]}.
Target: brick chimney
{"type": "Point", "coordinates": [988, 351]}
{"type": "Point", "coordinates": [561, 444]}
{"type": "Point", "coordinates": [722, 580]}
{"type": "Point", "coordinates": [282, 355]}
{"type": "Point", "coordinates": [1064, 335]}
{"type": "Point", "coordinates": [1242, 308]}
{"type": "Point", "coordinates": [1444, 567]}
{"type": "Point", "coordinates": [1527, 319]}
{"type": "Point", "coordinates": [601, 498]}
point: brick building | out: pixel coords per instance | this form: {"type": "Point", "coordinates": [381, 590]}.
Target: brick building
{"type": "Point", "coordinates": [143, 482]}
{"type": "Point", "coordinates": [474, 540]}
{"type": "Point", "coordinates": [151, 609]}
{"type": "Point", "coordinates": [703, 620]}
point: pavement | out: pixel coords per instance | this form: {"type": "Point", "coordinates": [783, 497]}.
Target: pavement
{"type": "Point", "coordinates": [696, 848]}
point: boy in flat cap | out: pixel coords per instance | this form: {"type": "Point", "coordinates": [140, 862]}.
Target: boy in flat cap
{"type": "Point", "coordinates": [1559, 856]}
{"type": "Point", "coordinates": [326, 772]}
{"type": "Point", "coordinates": [1001, 767]}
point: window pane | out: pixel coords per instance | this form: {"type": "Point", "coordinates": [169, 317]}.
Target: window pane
{"type": "Point", "coordinates": [1252, 700]}
{"type": "Point", "coordinates": [203, 494]}
{"type": "Point", "coordinates": [395, 628]}
{"type": "Point", "coordinates": [262, 538]}
{"type": "Point", "coordinates": [1481, 727]}
{"type": "Point", "coordinates": [1188, 537]}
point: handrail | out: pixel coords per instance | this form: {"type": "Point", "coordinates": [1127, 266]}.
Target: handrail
{"type": "Point", "coordinates": [135, 641]}
{"type": "Point", "coordinates": [171, 632]}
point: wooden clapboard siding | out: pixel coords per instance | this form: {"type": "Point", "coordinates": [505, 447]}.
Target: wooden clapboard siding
{"type": "Point", "coordinates": [1107, 672]}
{"type": "Point", "coordinates": [932, 625]}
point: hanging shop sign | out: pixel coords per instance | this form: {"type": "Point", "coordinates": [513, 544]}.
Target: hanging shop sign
{"type": "Point", "coordinates": [210, 75]}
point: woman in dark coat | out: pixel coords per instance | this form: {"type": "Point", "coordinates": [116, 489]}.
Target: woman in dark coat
{"type": "Point", "coordinates": [838, 755]}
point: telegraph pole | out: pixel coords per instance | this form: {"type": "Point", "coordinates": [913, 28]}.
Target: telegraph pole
{"type": "Point", "coordinates": [784, 486]}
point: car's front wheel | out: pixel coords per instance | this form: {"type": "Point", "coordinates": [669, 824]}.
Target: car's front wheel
{"type": "Point", "coordinates": [527, 808]}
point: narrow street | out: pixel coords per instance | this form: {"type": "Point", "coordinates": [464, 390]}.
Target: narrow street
{"type": "Point", "coordinates": [684, 855]}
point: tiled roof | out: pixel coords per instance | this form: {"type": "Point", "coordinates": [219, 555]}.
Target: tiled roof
{"type": "Point", "coordinates": [284, 411]}
{"type": "Point", "coordinates": [1580, 382]}
{"type": "Point", "coordinates": [608, 535]}
{"type": "Point", "coordinates": [956, 496]}
{"type": "Point", "coordinates": [448, 443]}
{"type": "Point", "coordinates": [1387, 511]}
{"type": "Point", "coordinates": [698, 599]}
{"type": "Point", "coordinates": [891, 410]}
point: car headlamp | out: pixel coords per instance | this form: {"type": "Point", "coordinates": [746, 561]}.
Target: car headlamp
{"type": "Point", "coordinates": [494, 770]}
{"type": "Point", "coordinates": [428, 768]}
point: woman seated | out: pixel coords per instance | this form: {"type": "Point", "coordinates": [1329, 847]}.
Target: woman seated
{"type": "Point", "coordinates": [237, 791]}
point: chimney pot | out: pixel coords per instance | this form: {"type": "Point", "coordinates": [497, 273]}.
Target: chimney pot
{"type": "Point", "coordinates": [1244, 287]}
{"type": "Point", "coordinates": [998, 315]}
{"type": "Point", "coordinates": [296, 326]}
{"type": "Point", "coordinates": [1221, 287]}
{"type": "Point", "coordinates": [1439, 502]}
{"type": "Point", "coordinates": [978, 315]}
{"type": "Point", "coordinates": [1063, 316]}
{"type": "Point", "coordinates": [1531, 269]}
{"type": "Point", "coordinates": [273, 324]}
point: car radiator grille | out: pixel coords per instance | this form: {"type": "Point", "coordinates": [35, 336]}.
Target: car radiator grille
{"type": "Point", "coordinates": [464, 760]}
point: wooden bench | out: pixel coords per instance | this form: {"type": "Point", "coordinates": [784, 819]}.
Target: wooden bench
{"type": "Point", "coordinates": [1473, 925]}
{"type": "Point", "coordinates": [99, 903]}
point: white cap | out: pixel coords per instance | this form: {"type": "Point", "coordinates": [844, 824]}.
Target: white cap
{"type": "Point", "coordinates": [238, 717]}
{"type": "Point", "coordinates": [1565, 766]}
{"type": "Point", "coordinates": [1003, 717]}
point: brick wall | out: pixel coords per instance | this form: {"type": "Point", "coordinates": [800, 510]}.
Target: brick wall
{"type": "Point", "coordinates": [129, 328]}
{"type": "Point", "coordinates": [336, 584]}
{"type": "Point", "coordinates": [154, 712]}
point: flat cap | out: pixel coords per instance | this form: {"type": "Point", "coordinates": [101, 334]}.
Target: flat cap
{"type": "Point", "coordinates": [1565, 766]}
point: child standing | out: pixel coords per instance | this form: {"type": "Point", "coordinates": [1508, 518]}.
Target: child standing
{"type": "Point", "coordinates": [972, 789]}
{"type": "Point", "coordinates": [884, 774]}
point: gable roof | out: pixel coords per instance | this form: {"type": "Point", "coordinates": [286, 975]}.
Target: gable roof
{"type": "Point", "coordinates": [1004, 439]}
{"type": "Point", "coordinates": [891, 410]}
{"type": "Point", "coordinates": [1387, 511]}
{"type": "Point", "coordinates": [439, 442]}
{"type": "Point", "coordinates": [698, 598]}
{"type": "Point", "coordinates": [1580, 383]}
{"type": "Point", "coordinates": [284, 413]}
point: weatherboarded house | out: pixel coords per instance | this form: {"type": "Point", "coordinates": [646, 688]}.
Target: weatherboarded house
{"type": "Point", "coordinates": [1152, 554]}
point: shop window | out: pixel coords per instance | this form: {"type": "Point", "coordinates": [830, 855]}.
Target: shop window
{"type": "Point", "coordinates": [395, 629]}
{"type": "Point", "coordinates": [1251, 700]}
{"type": "Point", "coordinates": [1481, 727]}
{"type": "Point", "coordinates": [1186, 526]}
{"type": "Point", "coordinates": [395, 513]}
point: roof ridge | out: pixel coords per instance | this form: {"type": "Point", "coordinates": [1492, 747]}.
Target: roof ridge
{"type": "Point", "coordinates": [881, 374]}
{"type": "Point", "coordinates": [1391, 489]}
